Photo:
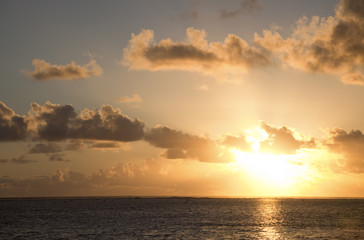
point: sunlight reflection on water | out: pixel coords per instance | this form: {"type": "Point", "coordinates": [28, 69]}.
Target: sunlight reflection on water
{"type": "Point", "coordinates": [268, 210]}
{"type": "Point", "coordinates": [176, 218]}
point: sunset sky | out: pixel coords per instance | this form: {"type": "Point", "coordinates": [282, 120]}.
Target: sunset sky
{"type": "Point", "coordinates": [248, 98]}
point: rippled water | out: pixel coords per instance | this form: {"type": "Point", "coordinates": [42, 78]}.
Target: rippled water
{"type": "Point", "coordinates": [181, 218]}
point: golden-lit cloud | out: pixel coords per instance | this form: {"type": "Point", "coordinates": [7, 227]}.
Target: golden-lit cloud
{"type": "Point", "coordinates": [330, 45]}
{"type": "Point", "coordinates": [45, 71]}
{"type": "Point", "coordinates": [203, 88]}
{"type": "Point", "coordinates": [135, 98]}
{"type": "Point", "coordinates": [324, 45]}
{"type": "Point", "coordinates": [237, 142]}
{"type": "Point", "coordinates": [221, 60]}
{"type": "Point", "coordinates": [282, 140]}
{"type": "Point", "coordinates": [60, 128]}
{"type": "Point", "coordinates": [246, 7]}
{"type": "Point", "coordinates": [12, 126]}
{"type": "Point", "coordinates": [350, 145]}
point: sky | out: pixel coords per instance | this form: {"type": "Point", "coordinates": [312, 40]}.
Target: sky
{"type": "Point", "coordinates": [237, 98]}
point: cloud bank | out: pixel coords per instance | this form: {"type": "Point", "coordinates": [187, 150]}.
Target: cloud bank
{"type": "Point", "coordinates": [135, 98]}
{"type": "Point", "coordinates": [56, 129]}
{"type": "Point", "coordinates": [45, 71]}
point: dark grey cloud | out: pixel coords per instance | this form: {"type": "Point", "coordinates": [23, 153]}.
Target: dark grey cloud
{"type": "Point", "coordinates": [183, 145]}
{"type": "Point", "coordinates": [49, 147]}
{"type": "Point", "coordinates": [105, 144]}
{"type": "Point", "coordinates": [246, 7]}
{"type": "Point", "coordinates": [55, 122]}
{"type": "Point", "coordinates": [45, 71]}
{"type": "Point", "coordinates": [12, 126]}
{"type": "Point", "coordinates": [58, 157]}
{"type": "Point", "coordinates": [22, 159]}
{"type": "Point", "coordinates": [175, 154]}
{"type": "Point", "coordinates": [75, 145]}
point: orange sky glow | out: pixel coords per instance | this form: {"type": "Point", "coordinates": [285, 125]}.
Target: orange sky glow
{"type": "Point", "coordinates": [188, 98]}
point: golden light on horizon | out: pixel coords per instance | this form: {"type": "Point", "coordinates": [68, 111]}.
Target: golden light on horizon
{"type": "Point", "coordinates": [278, 172]}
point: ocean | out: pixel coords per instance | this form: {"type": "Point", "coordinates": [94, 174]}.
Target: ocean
{"type": "Point", "coordinates": [181, 218]}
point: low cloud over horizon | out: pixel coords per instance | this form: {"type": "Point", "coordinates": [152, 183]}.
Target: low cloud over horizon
{"type": "Point", "coordinates": [56, 128]}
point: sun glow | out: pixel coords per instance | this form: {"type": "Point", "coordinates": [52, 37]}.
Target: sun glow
{"type": "Point", "coordinates": [277, 171]}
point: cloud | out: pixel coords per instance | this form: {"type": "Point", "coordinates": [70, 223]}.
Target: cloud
{"type": "Point", "coordinates": [45, 71]}
{"type": "Point", "coordinates": [135, 98]}
{"type": "Point", "coordinates": [12, 126]}
{"type": "Point", "coordinates": [246, 6]}
{"type": "Point", "coordinates": [193, 14]}
{"type": "Point", "coordinates": [55, 122]}
{"type": "Point", "coordinates": [331, 45]}
{"type": "Point", "coordinates": [75, 145]}
{"type": "Point", "coordinates": [282, 140]}
{"type": "Point", "coordinates": [350, 146]}
{"type": "Point", "coordinates": [236, 142]}
{"type": "Point", "coordinates": [49, 147]}
{"type": "Point", "coordinates": [104, 144]}
{"type": "Point", "coordinates": [221, 60]}
{"type": "Point", "coordinates": [58, 157]}
{"type": "Point", "coordinates": [324, 45]}
{"type": "Point", "coordinates": [19, 160]}
{"type": "Point", "coordinates": [148, 178]}
{"type": "Point", "coordinates": [183, 145]}
{"type": "Point", "coordinates": [203, 88]}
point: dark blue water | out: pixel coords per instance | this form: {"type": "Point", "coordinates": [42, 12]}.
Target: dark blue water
{"type": "Point", "coordinates": [181, 218]}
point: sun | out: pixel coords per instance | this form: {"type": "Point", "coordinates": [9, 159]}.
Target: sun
{"type": "Point", "coordinates": [276, 171]}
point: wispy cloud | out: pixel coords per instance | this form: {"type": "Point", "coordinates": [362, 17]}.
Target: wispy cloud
{"type": "Point", "coordinates": [203, 87]}
{"type": "Point", "coordinates": [45, 71]}
{"type": "Point", "coordinates": [22, 159]}
{"type": "Point", "coordinates": [135, 98]}
{"type": "Point", "coordinates": [246, 7]}
{"type": "Point", "coordinates": [49, 147]}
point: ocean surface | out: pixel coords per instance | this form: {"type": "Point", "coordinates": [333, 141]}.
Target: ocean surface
{"type": "Point", "coordinates": [181, 218]}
